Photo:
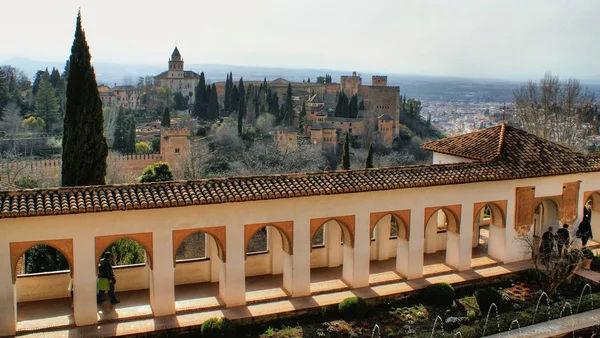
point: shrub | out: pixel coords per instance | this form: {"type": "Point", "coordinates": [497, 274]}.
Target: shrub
{"type": "Point", "coordinates": [486, 296]}
{"type": "Point", "coordinates": [142, 148]}
{"type": "Point", "coordinates": [468, 332]}
{"type": "Point", "coordinates": [524, 318]}
{"type": "Point", "coordinates": [214, 328]}
{"type": "Point", "coordinates": [353, 307]}
{"type": "Point", "coordinates": [471, 315]}
{"type": "Point", "coordinates": [441, 294]}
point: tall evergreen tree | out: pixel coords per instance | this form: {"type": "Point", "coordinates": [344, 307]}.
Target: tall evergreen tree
{"type": "Point", "coordinates": [289, 104]}
{"type": "Point", "coordinates": [40, 75]}
{"type": "Point", "coordinates": [227, 98]}
{"type": "Point", "coordinates": [54, 77]}
{"type": "Point", "coordinates": [345, 107]}
{"type": "Point", "coordinates": [346, 153]}
{"type": "Point", "coordinates": [361, 105]}
{"type": "Point", "coordinates": [353, 107]}
{"type": "Point", "coordinates": [265, 84]}
{"type": "Point", "coordinates": [369, 163]}
{"type": "Point", "coordinates": [235, 98]}
{"type": "Point", "coordinates": [338, 107]}
{"type": "Point", "coordinates": [131, 133]}
{"type": "Point", "coordinates": [124, 135]}
{"type": "Point", "coordinates": [199, 104]}
{"type": "Point", "coordinates": [213, 105]}
{"type": "Point", "coordinates": [46, 104]}
{"type": "Point", "coordinates": [84, 147]}
{"type": "Point", "coordinates": [166, 119]}
{"type": "Point", "coordinates": [4, 93]}
{"type": "Point", "coordinates": [242, 103]}
{"type": "Point", "coordinates": [302, 117]}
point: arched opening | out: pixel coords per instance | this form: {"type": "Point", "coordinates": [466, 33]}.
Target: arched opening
{"type": "Point", "coordinates": [264, 266]}
{"type": "Point", "coordinates": [488, 235]}
{"type": "Point", "coordinates": [389, 249]}
{"type": "Point", "coordinates": [131, 266]}
{"type": "Point", "coordinates": [545, 216]}
{"type": "Point", "coordinates": [327, 256]}
{"type": "Point", "coordinates": [198, 263]}
{"type": "Point", "coordinates": [591, 211]}
{"type": "Point", "coordinates": [43, 283]}
{"type": "Point", "coordinates": [440, 226]}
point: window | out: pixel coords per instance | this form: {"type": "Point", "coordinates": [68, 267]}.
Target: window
{"type": "Point", "coordinates": [176, 150]}
{"type": "Point", "coordinates": [393, 228]}
{"type": "Point", "coordinates": [319, 237]}
{"type": "Point", "coordinates": [259, 242]}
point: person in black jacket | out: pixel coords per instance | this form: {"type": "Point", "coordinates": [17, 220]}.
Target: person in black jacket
{"type": "Point", "coordinates": [563, 239]}
{"type": "Point", "coordinates": [106, 275]}
{"type": "Point", "coordinates": [584, 231]}
{"type": "Point", "coordinates": [547, 245]}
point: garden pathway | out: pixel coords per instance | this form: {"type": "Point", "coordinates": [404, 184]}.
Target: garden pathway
{"type": "Point", "coordinates": [275, 309]}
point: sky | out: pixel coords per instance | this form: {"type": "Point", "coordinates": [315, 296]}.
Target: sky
{"type": "Point", "coordinates": [505, 39]}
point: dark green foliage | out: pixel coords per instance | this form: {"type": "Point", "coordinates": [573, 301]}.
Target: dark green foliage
{"type": "Point", "coordinates": [84, 145]}
{"type": "Point", "coordinates": [54, 77]}
{"type": "Point", "coordinates": [155, 144]}
{"type": "Point", "coordinates": [361, 105]}
{"type": "Point", "coordinates": [289, 105]}
{"type": "Point", "coordinates": [242, 102]}
{"type": "Point", "coordinates": [320, 79]}
{"type": "Point", "coordinates": [468, 332]}
{"type": "Point", "coordinates": [158, 172]}
{"type": "Point", "coordinates": [235, 98]}
{"type": "Point", "coordinates": [44, 258]}
{"type": "Point", "coordinates": [124, 135]}
{"type": "Point", "coordinates": [181, 102]}
{"type": "Point", "coordinates": [4, 94]}
{"type": "Point", "coordinates": [345, 107]}
{"type": "Point", "coordinates": [441, 294]}
{"type": "Point", "coordinates": [46, 104]}
{"type": "Point", "coordinates": [486, 296]}
{"type": "Point", "coordinates": [346, 153]}
{"type": "Point", "coordinates": [353, 107]}
{"type": "Point", "coordinates": [213, 103]}
{"type": "Point", "coordinates": [200, 106]}
{"type": "Point", "coordinates": [215, 328]}
{"type": "Point", "coordinates": [227, 99]}
{"type": "Point", "coordinates": [353, 308]}
{"type": "Point", "coordinates": [369, 163]}
{"type": "Point", "coordinates": [166, 119]}
{"type": "Point", "coordinates": [302, 117]}
{"type": "Point", "coordinates": [40, 75]}
{"type": "Point", "coordinates": [27, 182]}
{"type": "Point", "coordinates": [126, 251]}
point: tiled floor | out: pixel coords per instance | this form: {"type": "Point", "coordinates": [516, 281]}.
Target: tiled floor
{"type": "Point", "coordinates": [117, 328]}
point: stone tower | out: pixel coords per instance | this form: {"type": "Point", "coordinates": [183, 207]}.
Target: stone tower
{"type": "Point", "coordinates": [176, 65]}
{"type": "Point", "coordinates": [174, 143]}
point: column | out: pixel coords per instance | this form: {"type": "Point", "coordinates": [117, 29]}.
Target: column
{"type": "Point", "coordinates": [296, 267]}
{"type": "Point", "coordinates": [215, 261]}
{"type": "Point", "coordinates": [8, 294]}
{"type": "Point", "coordinates": [415, 244]}
{"type": "Point", "coordinates": [514, 248]}
{"type": "Point", "coordinates": [275, 250]}
{"type": "Point", "coordinates": [84, 281]}
{"type": "Point", "coordinates": [232, 279]}
{"type": "Point", "coordinates": [383, 237]}
{"type": "Point", "coordinates": [333, 246]}
{"type": "Point", "coordinates": [459, 246]}
{"type": "Point", "coordinates": [356, 260]}
{"type": "Point", "coordinates": [162, 275]}
{"type": "Point", "coordinates": [496, 242]}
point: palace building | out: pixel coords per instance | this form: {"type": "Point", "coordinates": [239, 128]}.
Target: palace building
{"type": "Point", "coordinates": [325, 231]}
{"type": "Point", "coordinates": [178, 79]}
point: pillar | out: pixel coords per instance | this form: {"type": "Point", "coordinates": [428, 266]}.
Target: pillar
{"type": "Point", "coordinates": [296, 267]}
{"type": "Point", "coordinates": [415, 244]}
{"type": "Point", "coordinates": [84, 281]}
{"type": "Point", "coordinates": [514, 248]}
{"type": "Point", "coordinates": [496, 242]}
{"type": "Point", "coordinates": [383, 237]}
{"type": "Point", "coordinates": [356, 259]}
{"type": "Point", "coordinates": [333, 246]}
{"type": "Point", "coordinates": [232, 279]}
{"type": "Point", "coordinates": [215, 261]}
{"type": "Point", "coordinates": [275, 249]}
{"type": "Point", "coordinates": [162, 274]}
{"type": "Point", "coordinates": [431, 236]}
{"type": "Point", "coordinates": [402, 256]}
{"type": "Point", "coordinates": [595, 223]}
{"type": "Point", "coordinates": [8, 294]}
{"type": "Point", "coordinates": [459, 246]}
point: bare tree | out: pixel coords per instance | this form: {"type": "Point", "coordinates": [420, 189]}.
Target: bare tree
{"type": "Point", "coordinates": [116, 173]}
{"type": "Point", "coordinates": [554, 110]}
{"type": "Point", "coordinates": [11, 119]}
{"type": "Point", "coordinates": [192, 165]}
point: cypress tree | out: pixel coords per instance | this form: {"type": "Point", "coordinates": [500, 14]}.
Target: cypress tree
{"type": "Point", "coordinates": [353, 107]}
{"type": "Point", "coordinates": [346, 153]}
{"type": "Point", "coordinates": [265, 84]}
{"type": "Point", "coordinates": [289, 104]}
{"type": "Point", "coordinates": [131, 133]}
{"type": "Point", "coordinates": [361, 105]}
{"type": "Point", "coordinates": [235, 98]}
{"type": "Point", "coordinates": [338, 107]}
{"type": "Point", "coordinates": [46, 104]}
{"type": "Point", "coordinates": [213, 105]}
{"type": "Point", "coordinates": [345, 107]}
{"type": "Point", "coordinates": [4, 93]}
{"type": "Point", "coordinates": [242, 102]}
{"type": "Point", "coordinates": [302, 117]}
{"type": "Point", "coordinates": [369, 163]}
{"type": "Point", "coordinates": [227, 98]}
{"type": "Point", "coordinates": [166, 119]}
{"type": "Point", "coordinates": [120, 135]}
{"type": "Point", "coordinates": [84, 145]}
{"type": "Point", "coordinates": [199, 107]}
{"type": "Point", "coordinates": [54, 77]}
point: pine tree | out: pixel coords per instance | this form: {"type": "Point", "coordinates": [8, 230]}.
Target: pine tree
{"type": "Point", "coordinates": [369, 163]}
{"type": "Point", "coordinates": [242, 103]}
{"type": "Point", "coordinates": [46, 104]}
{"type": "Point", "coordinates": [40, 75]}
{"type": "Point", "coordinates": [213, 105]}
{"type": "Point", "coordinates": [199, 105]}
{"type": "Point", "coordinates": [54, 77]}
{"type": "Point", "coordinates": [84, 145]}
{"type": "Point", "coordinates": [227, 98]}
{"type": "Point", "coordinates": [302, 117]}
{"type": "Point", "coordinates": [166, 119]}
{"type": "Point", "coordinates": [346, 153]}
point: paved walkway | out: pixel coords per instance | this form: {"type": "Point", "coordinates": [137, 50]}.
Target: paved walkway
{"type": "Point", "coordinates": [556, 327]}
{"type": "Point", "coordinates": [144, 325]}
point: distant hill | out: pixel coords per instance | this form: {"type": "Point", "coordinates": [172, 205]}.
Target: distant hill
{"type": "Point", "coordinates": [425, 88]}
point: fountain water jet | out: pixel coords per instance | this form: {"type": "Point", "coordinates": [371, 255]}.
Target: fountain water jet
{"type": "Point", "coordinates": [580, 297]}
{"type": "Point", "coordinates": [538, 305]}
{"type": "Point", "coordinates": [458, 334]}
{"type": "Point", "coordinates": [378, 331]}
{"type": "Point", "coordinates": [488, 317]}
{"type": "Point", "coordinates": [511, 326]}
{"type": "Point", "coordinates": [435, 322]}
{"type": "Point", "coordinates": [572, 320]}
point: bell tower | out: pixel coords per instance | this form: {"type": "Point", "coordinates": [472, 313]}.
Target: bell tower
{"type": "Point", "coordinates": [176, 65]}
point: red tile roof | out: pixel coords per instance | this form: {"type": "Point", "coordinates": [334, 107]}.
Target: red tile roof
{"type": "Point", "coordinates": [480, 145]}
{"type": "Point", "coordinates": [519, 155]}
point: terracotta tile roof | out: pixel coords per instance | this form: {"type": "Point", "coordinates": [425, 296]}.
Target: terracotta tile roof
{"type": "Point", "coordinates": [480, 145]}
{"type": "Point", "coordinates": [521, 155]}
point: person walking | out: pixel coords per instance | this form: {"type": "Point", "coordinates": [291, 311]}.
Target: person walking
{"type": "Point", "coordinates": [584, 231]}
{"type": "Point", "coordinates": [563, 239]}
{"type": "Point", "coordinates": [106, 280]}
{"type": "Point", "coordinates": [547, 245]}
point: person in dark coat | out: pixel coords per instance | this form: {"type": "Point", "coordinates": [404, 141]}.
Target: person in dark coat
{"type": "Point", "coordinates": [563, 239]}
{"type": "Point", "coordinates": [584, 231]}
{"type": "Point", "coordinates": [106, 280]}
{"type": "Point", "coordinates": [547, 245]}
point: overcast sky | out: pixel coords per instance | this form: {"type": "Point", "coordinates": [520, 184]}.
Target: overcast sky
{"type": "Point", "coordinates": [480, 38]}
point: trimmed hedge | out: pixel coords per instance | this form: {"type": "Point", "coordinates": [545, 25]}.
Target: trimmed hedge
{"type": "Point", "coordinates": [486, 296]}
{"type": "Point", "coordinates": [216, 328]}
{"type": "Point", "coordinates": [441, 294]}
{"type": "Point", "coordinates": [353, 308]}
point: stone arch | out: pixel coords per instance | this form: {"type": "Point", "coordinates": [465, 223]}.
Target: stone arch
{"type": "Point", "coordinates": [217, 233]}
{"type": "Point", "coordinates": [144, 239]}
{"type": "Point", "coordinates": [17, 249]}
{"type": "Point", "coordinates": [402, 218]}
{"type": "Point", "coordinates": [497, 208]}
{"type": "Point", "coordinates": [544, 202]}
{"type": "Point", "coordinates": [594, 196]}
{"type": "Point", "coordinates": [285, 229]}
{"type": "Point", "coordinates": [345, 222]}
{"type": "Point", "coordinates": [453, 213]}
